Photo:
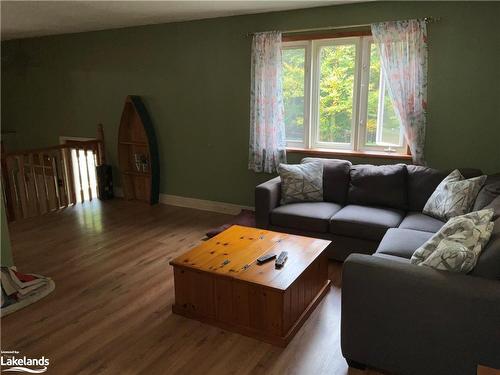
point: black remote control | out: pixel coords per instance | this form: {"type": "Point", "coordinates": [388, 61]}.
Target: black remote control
{"type": "Point", "coordinates": [265, 258]}
{"type": "Point", "coordinates": [280, 262]}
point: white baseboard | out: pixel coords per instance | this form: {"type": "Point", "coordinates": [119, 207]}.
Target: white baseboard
{"type": "Point", "coordinates": [202, 204]}
{"type": "Point", "coordinates": [198, 204]}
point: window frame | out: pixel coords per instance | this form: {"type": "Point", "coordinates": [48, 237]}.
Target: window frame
{"type": "Point", "coordinates": [360, 97]}
{"type": "Point", "coordinates": [307, 88]}
{"type": "Point", "coordinates": [317, 45]}
{"type": "Point", "coordinates": [366, 44]}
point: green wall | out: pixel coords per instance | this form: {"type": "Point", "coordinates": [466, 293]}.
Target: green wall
{"type": "Point", "coordinates": [195, 76]}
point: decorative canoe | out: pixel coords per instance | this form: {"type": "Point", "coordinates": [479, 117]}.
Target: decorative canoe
{"type": "Point", "coordinates": [138, 153]}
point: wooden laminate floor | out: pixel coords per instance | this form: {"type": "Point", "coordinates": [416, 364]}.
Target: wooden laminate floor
{"type": "Point", "coordinates": [111, 310]}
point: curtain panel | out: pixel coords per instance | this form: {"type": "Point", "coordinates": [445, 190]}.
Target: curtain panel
{"type": "Point", "coordinates": [267, 147]}
{"type": "Point", "coordinates": [403, 54]}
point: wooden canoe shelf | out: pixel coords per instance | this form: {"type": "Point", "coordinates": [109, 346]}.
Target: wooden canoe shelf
{"type": "Point", "coordinates": [138, 153]}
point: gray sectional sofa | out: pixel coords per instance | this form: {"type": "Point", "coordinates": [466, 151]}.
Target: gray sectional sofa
{"type": "Point", "coordinates": [396, 316]}
{"type": "Point", "coordinates": [361, 203]}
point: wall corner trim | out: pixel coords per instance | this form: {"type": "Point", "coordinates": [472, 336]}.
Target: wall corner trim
{"type": "Point", "coordinates": [202, 204]}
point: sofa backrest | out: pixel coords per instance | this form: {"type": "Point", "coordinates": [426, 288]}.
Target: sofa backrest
{"type": "Point", "coordinates": [422, 181]}
{"type": "Point", "coordinates": [378, 185]}
{"type": "Point", "coordinates": [335, 178]}
{"type": "Point", "coordinates": [405, 187]}
{"type": "Point", "coordinates": [488, 192]}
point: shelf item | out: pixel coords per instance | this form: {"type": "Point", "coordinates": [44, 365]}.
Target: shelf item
{"type": "Point", "coordinates": [138, 153]}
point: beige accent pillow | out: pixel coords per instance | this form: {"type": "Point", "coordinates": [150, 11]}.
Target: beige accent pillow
{"type": "Point", "coordinates": [458, 244]}
{"type": "Point", "coordinates": [301, 182]}
{"type": "Point", "coordinates": [454, 196]}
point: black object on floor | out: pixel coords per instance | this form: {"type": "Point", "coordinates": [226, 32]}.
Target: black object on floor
{"type": "Point", "coordinates": [104, 182]}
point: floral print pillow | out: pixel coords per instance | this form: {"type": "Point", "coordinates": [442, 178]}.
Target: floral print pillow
{"type": "Point", "coordinates": [454, 196]}
{"type": "Point", "coordinates": [458, 244]}
{"type": "Point", "coordinates": [301, 182]}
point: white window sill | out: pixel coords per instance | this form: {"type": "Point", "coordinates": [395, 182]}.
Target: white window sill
{"type": "Point", "coordinates": [361, 154]}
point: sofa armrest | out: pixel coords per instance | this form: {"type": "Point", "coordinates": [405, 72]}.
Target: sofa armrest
{"type": "Point", "coordinates": [267, 197]}
{"type": "Point", "coordinates": [409, 319]}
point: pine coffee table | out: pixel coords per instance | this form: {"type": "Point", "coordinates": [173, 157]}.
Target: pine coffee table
{"type": "Point", "coordinates": [220, 283]}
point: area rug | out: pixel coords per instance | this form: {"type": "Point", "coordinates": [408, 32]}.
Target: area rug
{"type": "Point", "coordinates": [20, 290]}
{"type": "Point", "coordinates": [245, 218]}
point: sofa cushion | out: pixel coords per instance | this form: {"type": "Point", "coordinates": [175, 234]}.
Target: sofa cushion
{"type": "Point", "coordinates": [335, 178]}
{"type": "Point", "coordinates": [488, 264]}
{"type": "Point", "coordinates": [308, 216]}
{"type": "Point", "coordinates": [383, 185]}
{"type": "Point", "coordinates": [369, 223]}
{"type": "Point", "coordinates": [422, 182]}
{"type": "Point", "coordinates": [489, 191]}
{"type": "Point", "coordinates": [420, 221]}
{"type": "Point", "coordinates": [402, 242]}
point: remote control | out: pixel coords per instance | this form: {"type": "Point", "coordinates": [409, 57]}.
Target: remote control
{"type": "Point", "coordinates": [265, 258]}
{"type": "Point", "coordinates": [280, 262]}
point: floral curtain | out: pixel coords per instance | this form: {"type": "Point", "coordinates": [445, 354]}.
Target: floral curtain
{"type": "Point", "coordinates": [403, 53]}
{"type": "Point", "coordinates": [267, 126]}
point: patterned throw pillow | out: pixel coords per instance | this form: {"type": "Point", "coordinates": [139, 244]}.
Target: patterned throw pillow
{"type": "Point", "coordinates": [458, 244]}
{"type": "Point", "coordinates": [301, 182]}
{"type": "Point", "coordinates": [454, 196]}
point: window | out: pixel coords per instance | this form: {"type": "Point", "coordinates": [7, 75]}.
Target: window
{"type": "Point", "coordinates": [335, 96]}
{"type": "Point", "coordinates": [295, 93]}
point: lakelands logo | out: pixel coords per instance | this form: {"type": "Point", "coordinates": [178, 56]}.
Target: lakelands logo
{"type": "Point", "coordinates": [14, 363]}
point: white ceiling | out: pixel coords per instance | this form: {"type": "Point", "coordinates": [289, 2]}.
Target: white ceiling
{"type": "Point", "coordinates": [23, 19]}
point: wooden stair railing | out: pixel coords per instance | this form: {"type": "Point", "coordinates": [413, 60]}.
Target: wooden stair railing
{"type": "Point", "coordinates": [41, 180]}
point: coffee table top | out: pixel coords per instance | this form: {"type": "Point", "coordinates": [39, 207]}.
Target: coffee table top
{"type": "Point", "coordinates": [233, 253]}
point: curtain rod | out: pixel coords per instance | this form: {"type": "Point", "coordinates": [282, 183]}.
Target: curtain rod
{"type": "Point", "coordinates": [426, 19]}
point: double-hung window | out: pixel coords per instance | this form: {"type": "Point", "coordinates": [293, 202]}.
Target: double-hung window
{"type": "Point", "coordinates": [336, 97]}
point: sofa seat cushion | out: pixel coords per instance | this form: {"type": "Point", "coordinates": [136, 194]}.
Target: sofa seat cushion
{"type": "Point", "coordinates": [422, 222]}
{"type": "Point", "coordinates": [369, 223]}
{"type": "Point", "coordinates": [307, 216]}
{"type": "Point", "coordinates": [402, 242]}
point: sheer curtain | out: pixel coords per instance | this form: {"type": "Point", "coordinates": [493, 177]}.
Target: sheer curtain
{"type": "Point", "coordinates": [267, 126]}
{"type": "Point", "coordinates": [403, 53]}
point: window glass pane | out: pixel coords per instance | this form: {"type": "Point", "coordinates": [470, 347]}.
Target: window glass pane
{"type": "Point", "coordinates": [293, 92]}
{"type": "Point", "coordinates": [336, 85]}
{"type": "Point", "coordinates": [382, 124]}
